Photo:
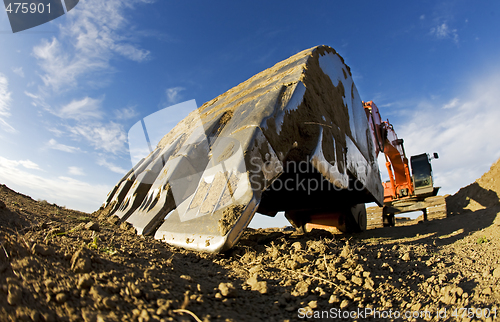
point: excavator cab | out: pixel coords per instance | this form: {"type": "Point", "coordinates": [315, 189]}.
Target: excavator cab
{"type": "Point", "coordinates": [422, 175]}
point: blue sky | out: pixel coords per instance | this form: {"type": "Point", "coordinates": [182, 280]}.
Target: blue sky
{"type": "Point", "coordinates": [71, 89]}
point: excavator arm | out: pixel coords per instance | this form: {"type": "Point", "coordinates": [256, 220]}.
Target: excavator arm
{"type": "Point", "coordinates": [400, 183]}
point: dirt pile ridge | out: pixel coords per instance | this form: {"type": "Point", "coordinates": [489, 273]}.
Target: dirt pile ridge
{"type": "Point", "coordinates": [58, 264]}
{"type": "Point", "coordinates": [483, 193]}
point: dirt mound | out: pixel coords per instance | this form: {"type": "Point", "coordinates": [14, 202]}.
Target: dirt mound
{"type": "Point", "coordinates": [483, 193]}
{"type": "Point", "coordinates": [58, 264]}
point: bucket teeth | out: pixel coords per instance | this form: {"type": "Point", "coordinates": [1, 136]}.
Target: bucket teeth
{"type": "Point", "coordinates": [201, 186]}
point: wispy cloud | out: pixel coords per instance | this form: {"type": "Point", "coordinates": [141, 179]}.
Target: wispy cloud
{"type": "Point", "coordinates": [173, 95]}
{"type": "Point", "coordinates": [84, 109]}
{"type": "Point", "coordinates": [76, 171]}
{"type": "Point", "coordinates": [95, 33]}
{"type": "Point", "coordinates": [126, 113]}
{"type": "Point", "coordinates": [109, 137]}
{"type": "Point", "coordinates": [111, 166]}
{"type": "Point", "coordinates": [5, 99]}
{"type": "Point", "coordinates": [87, 113]}
{"type": "Point", "coordinates": [57, 132]}
{"type": "Point", "coordinates": [62, 190]}
{"type": "Point", "coordinates": [31, 95]}
{"type": "Point", "coordinates": [465, 136]}
{"type": "Point", "coordinates": [28, 164]}
{"type": "Point", "coordinates": [452, 103]}
{"type": "Point", "coordinates": [53, 144]}
{"type": "Point", "coordinates": [18, 70]}
{"type": "Point", "coordinates": [443, 31]}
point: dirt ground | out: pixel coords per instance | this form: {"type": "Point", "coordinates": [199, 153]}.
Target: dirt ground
{"type": "Point", "coordinates": [58, 264]}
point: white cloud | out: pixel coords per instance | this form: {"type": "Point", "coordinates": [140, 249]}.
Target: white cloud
{"type": "Point", "coordinates": [422, 17]}
{"type": "Point", "coordinates": [76, 171]}
{"type": "Point", "coordinates": [86, 108]}
{"type": "Point", "coordinates": [443, 31]}
{"type": "Point", "coordinates": [126, 113]}
{"type": "Point", "coordinates": [61, 190]}
{"type": "Point", "coordinates": [53, 144]}
{"type": "Point", "coordinates": [466, 136]}
{"type": "Point", "coordinates": [173, 94]}
{"type": "Point", "coordinates": [18, 70]}
{"type": "Point", "coordinates": [108, 137]}
{"type": "Point", "coordinates": [33, 96]}
{"type": "Point", "coordinates": [57, 132]}
{"type": "Point", "coordinates": [451, 104]}
{"type": "Point", "coordinates": [111, 166]}
{"type": "Point", "coordinates": [28, 164]}
{"type": "Point", "coordinates": [93, 35]}
{"type": "Point", "coordinates": [5, 99]}
{"type": "Point", "coordinates": [131, 52]}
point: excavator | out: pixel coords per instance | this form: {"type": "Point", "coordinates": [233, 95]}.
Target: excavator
{"type": "Point", "coordinates": [295, 138]}
{"type": "Point", "coordinates": [403, 192]}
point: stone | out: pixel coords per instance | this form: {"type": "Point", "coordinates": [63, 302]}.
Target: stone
{"type": "Point", "coordinates": [259, 286]}
{"type": "Point", "coordinates": [85, 281]}
{"type": "Point", "coordinates": [302, 288]}
{"type": "Point", "coordinates": [113, 220]}
{"type": "Point", "coordinates": [313, 304]}
{"type": "Point", "coordinates": [14, 295]}
{"type": "Point", "coordinates": [126, 226]}
{"type": "Point", "coordinates": [357, 280]}
{"type": "Point", "coordinates": [293, 264]}
{"type": "Point", "coordinates": [80, 262]}
{"type": "Point", "coordinates": [341, 277]}
{"type": "Point", "coordinates": [321, 292]}
{"type": "Point", "coordinates": [448, 299]}
{"type": "Point", "coordinates": [369, 283]}
{"type": "Point", "coordinates": [496, 272]}
{"type": "Point", "coordinates": [108, 303]}
{"type": "Point", "coordinates": [228, 290]}
{"type": "Point", "coordinates": [49, 283]}
{"type": "Point", "coordinates": [92, 226]}
{"type": "Point", "coordinates": [345, 252]}
{"type": "Point", "coordinates": [255, 269]}
{"type": "Point", "coordinates": [43, 250]}
{"type": "Point", "coordinates": [406, 257]}
{"type": "Point", "coordinates": [61, 298]}
{"type": "Point", "coordinates": [297, 246]}
{"type": "Point", "coordinates": [334, 299]}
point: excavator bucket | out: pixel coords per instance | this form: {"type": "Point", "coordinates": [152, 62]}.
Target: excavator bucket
{"type": "Point", "coordinates": [292, 138]}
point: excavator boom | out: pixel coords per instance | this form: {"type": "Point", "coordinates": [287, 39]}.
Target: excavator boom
{"type": "Point", "coordinates": [400, 183]}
